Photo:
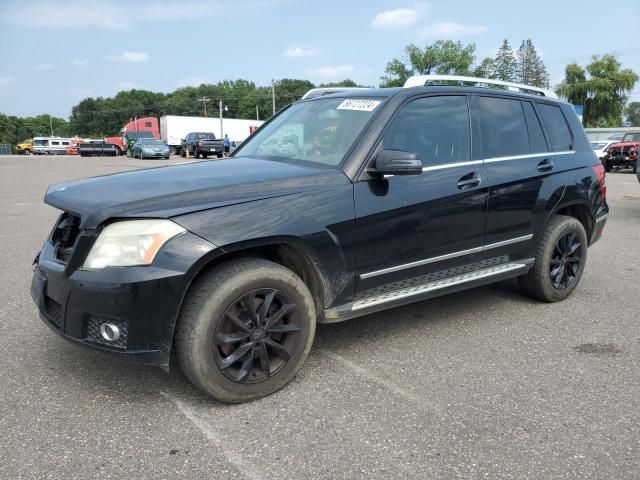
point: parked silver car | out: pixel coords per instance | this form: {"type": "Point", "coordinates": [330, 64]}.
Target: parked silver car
{"type": "Point", "coordinates": [151, 148]}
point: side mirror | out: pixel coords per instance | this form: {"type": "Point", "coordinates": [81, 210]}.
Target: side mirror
{"type": "Point", "coordinates": [396, 162]}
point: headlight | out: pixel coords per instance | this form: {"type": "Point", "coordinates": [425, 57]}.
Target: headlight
{"type": "Point", "coordinates": [130, 242]}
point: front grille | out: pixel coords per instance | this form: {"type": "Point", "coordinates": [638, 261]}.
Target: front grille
{"type": "Point", "coordinates": [619, 150]}
{"type": "Point", "coordinates": [95, 336]}
{"type": "Point", "coordinates": [53, 311]}
{"type": "Point", "coordinates": [65, 235]}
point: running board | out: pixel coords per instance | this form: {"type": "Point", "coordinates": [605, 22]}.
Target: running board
{"type": "Point", "coordinates": [423, 291]}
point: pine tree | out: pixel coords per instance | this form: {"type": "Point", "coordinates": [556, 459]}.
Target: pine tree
{"type": "Point", "coordinates": [505, 63]}
{"type": "Point", "coordinates": [530, 67]}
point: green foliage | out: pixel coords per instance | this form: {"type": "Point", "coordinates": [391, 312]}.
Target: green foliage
{"type": "Point", "coordinates": [530, 68]}
{"type": "Point", "coordinates": [505, 64]}
{"type": "Point", "coordinates": [602, 93]}
{"type": "Point", "coordinates": [443, 57]}
{"type": "Point", "coordinates": [14, 129]}
{"type": "Point", "coordinates": [632, 114]}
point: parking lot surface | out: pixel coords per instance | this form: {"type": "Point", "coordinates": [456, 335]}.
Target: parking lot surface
{"type": "Point", "coordinates": [485, 383]}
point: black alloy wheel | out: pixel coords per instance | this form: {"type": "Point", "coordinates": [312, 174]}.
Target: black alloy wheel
{"type": "Point", "coordinates": [566, 260]}
{"type": "Point", "coordinates": [256, 336]}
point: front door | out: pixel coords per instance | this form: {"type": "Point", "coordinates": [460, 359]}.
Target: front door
{"type": "Point", "coordinates": [426, 226]}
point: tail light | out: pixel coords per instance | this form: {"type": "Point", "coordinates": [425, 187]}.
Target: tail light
{"type": "Point", "coordinates": [598, 169]}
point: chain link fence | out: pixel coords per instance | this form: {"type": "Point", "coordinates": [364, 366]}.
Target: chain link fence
{"type": "Point", "coordinates": [5, 149]}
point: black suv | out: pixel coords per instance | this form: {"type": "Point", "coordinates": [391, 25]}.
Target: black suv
{"type": "Point", "coordinates": [202, 144]}
{"type": "Point", "coordinates": [337, 207]}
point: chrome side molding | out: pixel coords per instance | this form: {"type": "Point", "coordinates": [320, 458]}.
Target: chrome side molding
{"type": "Point", "coordinates": [447, 256]}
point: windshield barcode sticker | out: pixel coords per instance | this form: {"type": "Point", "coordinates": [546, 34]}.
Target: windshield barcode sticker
{"type": "Point", "coordinates": [363, 105]}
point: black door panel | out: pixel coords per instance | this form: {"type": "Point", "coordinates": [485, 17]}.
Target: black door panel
{"type": "Point", "coordinates": [413, 226]}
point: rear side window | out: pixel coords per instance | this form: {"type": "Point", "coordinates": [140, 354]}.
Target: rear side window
{"type": "Point", "coordinates": [435, 128]}
{"type": "Point", "coordinates": [557, 128]}
{"type": "Point", "coordinates": [503, 129]}
{"type": "Point", "coordinates": [536, 137]}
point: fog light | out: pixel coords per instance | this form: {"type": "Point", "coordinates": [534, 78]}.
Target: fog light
{"type": "Point", "coordinates": [109, 332]}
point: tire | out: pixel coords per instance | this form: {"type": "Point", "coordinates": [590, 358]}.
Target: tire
{"type": "Point", "coordinates": [204, 155]}
{"type": "Point", "coordinates": [538, 281]}
{"type": "Point", "coordinates": [27, 151]}
{"type": "Point", "coordinates": [207, 311]}
{"type": "Point", "coordinates": [607, 166]}
{"type": "Point", "coordinates": [219, 155]}
{"type": "Point", "coordinates": [634, 166]}
{"type": "Point", "coordinates": [183, 154]}
{"type": "Point", "coordinates": [167, 157]}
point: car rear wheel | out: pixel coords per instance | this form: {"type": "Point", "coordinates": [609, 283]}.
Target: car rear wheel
{"type": "Point", "coordinates": [560, 259]}
{"type": "Point", "coordinates": [245, 329]}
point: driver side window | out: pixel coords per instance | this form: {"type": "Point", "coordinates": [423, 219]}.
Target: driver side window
{"type": "Point", "coordinates": [435, 128]}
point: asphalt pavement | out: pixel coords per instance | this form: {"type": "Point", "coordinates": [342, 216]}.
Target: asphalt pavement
{"type": "Point", "coordinates": [485, 383]}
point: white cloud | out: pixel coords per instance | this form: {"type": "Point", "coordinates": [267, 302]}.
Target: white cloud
{"type": "Point", "coordinates": [400, 17]}
{"type": "Point", "coordinates": [129, 57]}
{"type": "Point", "coordinates": [43, 67]}
{"type": "Point", "coordinates": [332, 71]}
{"type": "Point", "coordinates": [301, 52]}
{"type": "Point", "coordinates": [449, 30]}
{"type": "Point", "coordinates": [123, 16]}
{"type": "Point", "coordinates": [80, 62]}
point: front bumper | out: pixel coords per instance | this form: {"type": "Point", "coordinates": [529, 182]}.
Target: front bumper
{"type": "Point", "coordinates": [161, 154]}
{"type": "Point", "coordinates": [143, 302]}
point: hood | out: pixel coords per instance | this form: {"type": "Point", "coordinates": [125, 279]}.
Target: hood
{"type": "Point", "coordinates": [165, 192]}
{"type": "Point", "coordinates": [632, 143]}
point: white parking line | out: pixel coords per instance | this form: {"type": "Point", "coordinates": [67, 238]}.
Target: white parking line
{"type": "Point", "coordinates": [363, 372]}
{"type": "Point", "coordinates": [232, 457]}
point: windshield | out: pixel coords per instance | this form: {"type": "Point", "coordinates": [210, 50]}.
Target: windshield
{"type": "Point", "coordinates": [204, 136]}
{"type": "Point", "coordinates": [598, 145]}
{"type": "Point", "coordinates": [631, 137]}
{"type": "Point", "coordinates": [152, 141]}
{"type": "Point", "coordinates": [319, 131]}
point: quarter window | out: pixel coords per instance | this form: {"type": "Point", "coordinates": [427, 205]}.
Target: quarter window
{"type": "Point", "coordinates": [536, 137]}
{"type": "Point", "coordinates": [557, 128]}
{"type": "Point", "coordinates": [435, 128]}
{"type": "Point", "coordinates": [503, 129]}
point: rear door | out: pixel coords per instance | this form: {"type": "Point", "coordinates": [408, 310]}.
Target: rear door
{"type": "Point", "coordinates": [428, 226]}
{"type": "Point", "coordinates": [523, 177]}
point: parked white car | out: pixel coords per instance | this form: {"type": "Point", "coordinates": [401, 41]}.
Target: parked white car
{"type": "Point", "coordinates": [600, 147]}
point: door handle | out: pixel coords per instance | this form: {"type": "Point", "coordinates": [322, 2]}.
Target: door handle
{"type": "Point", "coordinates": [470, 180]}
{"type": "Point", "coordinates": [545, 165]}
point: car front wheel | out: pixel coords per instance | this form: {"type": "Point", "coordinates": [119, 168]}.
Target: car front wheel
{"type": "Point", "coordinates": [245, 329]}
{"type": "Point", "coordinates": [560, 259]}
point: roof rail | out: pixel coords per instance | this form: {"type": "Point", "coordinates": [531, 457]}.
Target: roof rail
{"type": "Point", "coordinates": [321, 91]}
{"type": "Point", "coordinates": [426, 80]}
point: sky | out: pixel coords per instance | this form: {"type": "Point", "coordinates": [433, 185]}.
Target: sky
{"type": "Point", "coordinates": [54, 54]}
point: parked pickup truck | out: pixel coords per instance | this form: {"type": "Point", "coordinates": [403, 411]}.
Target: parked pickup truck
{"type": "Point", "coordinates": [202, 144]}
{"type": "Point", "coordinates": [98, 149]}
{"type": "Point", "coordinates": [623, 153]}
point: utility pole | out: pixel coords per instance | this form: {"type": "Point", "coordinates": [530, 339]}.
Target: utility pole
{"type": "Point", "coordinates": [273, 95]}
{"type": "Point", "coordinates": [204, 101]}
{"type": "Point", "coordinates": [257, 113]}
{"type": "Point", "coordinates": [51, 125]}
{"type": "Point", "coordinates": [226, 109]}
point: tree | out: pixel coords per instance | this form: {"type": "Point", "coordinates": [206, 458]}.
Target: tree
{"type": "Point", "coordinates": [632, 114]}
{"type": "Point", "coordinates": [603, 93]}
{"type": "Point", "coordinates": [530, 69]}
{"type": "Point", "coordinates": [504, 63]}
{"type": "Point", "coordinates": [443, 57]}
{"type": "Point", "coordinates": [486, 69]}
